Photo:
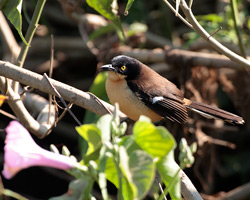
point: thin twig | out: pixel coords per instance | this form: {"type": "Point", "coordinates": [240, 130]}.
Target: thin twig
{"type": "Point", "coordinates": [62, 100]}
{"type": "Point", "coordinates": [161, 189]}
{"type": "Point", "coordinates": [8, 114]}
{"type": "Point", "coordinates": [215, 32]}
{"type": "Point", "coordinates": [64, 112]}
{"type": "Point", "coordinates": [51, 71]}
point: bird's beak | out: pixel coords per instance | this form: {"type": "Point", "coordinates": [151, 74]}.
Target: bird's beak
{"type": "Point", "coordinates": [107, 68]}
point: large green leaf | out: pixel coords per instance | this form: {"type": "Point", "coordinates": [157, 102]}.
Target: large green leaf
{"type": "Point", "coordinates": [142, 170]}
{"type": "Point", "coordinates": [112, 176]}
{"type": "Point", "coordinates": [129, 144]}
{"type": "Point", "coordinates": [111, 172]}
{"type": "Point", "coordinates": [12, 10]}
{"type": "Point", "coordinates": [156, 141]}
{"type": "Point", "coordinates": [107, 9]}
{"type": "Point", "coordinates": [168, 169]}
{"type": "Point", "coordinates": [138, 170]}
{"type": "Point", "coordinates": [92, 135]}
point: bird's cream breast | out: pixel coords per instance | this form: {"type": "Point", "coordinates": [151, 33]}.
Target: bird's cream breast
{"type": "Point", "coordinates": [118, 91]}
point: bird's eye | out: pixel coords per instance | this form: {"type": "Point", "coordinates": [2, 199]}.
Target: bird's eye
{"type": "Point", "coordinates": [123, 67]}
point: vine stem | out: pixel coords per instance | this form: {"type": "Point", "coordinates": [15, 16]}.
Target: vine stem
{"type": "Point", "coordinates": [29, 36]}
{"type": "Point", "coordinates": [234, 7]}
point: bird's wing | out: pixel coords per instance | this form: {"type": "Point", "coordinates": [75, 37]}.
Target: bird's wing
{"type": "Point", "coordinates": [165, 103]}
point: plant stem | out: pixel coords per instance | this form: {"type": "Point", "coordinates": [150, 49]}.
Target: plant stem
{"type": "Point", "coordinates": [29, 35]}
{"type": "Point", "coordinates": [30, 32]}
{"type": "Point", "coordinates": [119, 173]}
{"type": "Point", "coordinates": [103, 186]}
{"type": "Point", "coordinates": [234, 7]}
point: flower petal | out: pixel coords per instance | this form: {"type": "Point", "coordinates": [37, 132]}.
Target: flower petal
{"type": "Point", "coordinates": [22, 152]}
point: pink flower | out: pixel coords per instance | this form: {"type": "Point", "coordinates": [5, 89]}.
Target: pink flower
{"type": "Point", "coordinates": [22, 152]}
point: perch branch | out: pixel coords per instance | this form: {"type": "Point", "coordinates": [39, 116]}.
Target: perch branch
{"type": "Point", "coordinates": [68, 93]}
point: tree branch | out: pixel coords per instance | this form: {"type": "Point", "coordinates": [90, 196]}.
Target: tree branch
{"type": "Point", "coordinates": [214, 43]}
{"type": "Point", "coordinates": [68, 93]}
{"type": "Point", "coordinates": [175, 56]}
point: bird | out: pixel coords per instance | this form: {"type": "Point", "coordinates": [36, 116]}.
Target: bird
{"type": "Point", "coordinates": [139, 90]}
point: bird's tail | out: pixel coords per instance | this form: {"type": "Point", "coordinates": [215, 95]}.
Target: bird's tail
{"type": "Point", "coordinates": [213, 112]}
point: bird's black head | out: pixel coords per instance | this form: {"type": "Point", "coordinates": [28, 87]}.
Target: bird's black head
{"type": "Point", "coordinates": [124, 65]}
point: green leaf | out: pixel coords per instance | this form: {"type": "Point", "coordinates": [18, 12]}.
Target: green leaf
{"type": "Point", "coordinates": [101, 31]}
{"type": "Point", "coordinates": [107, 9]}
{"type": "Point", "coordinates": [168, 169]}
{"type": "Point", "coordinates": [129, 144]}
{"type": "Point", "coordinates": [112, 176]}
{"type": "Point", "coordinates": [12, 10]}
{"type": "Point", "coordinates": [111, 172]}
{"type": "Point", "coordinates": [127, 191]}
{"type": "Point", "coordinates": [128, 6]}
{"type": "Point", "coordinates": [92, 135]}
{"type": "Point", "coordinates": [138, 171]}
{"type": "Point", "coordinates": [79, 189]}
{"type": "Point", "coordinates": [156, 141]}
{"type": "Point", "coordinates": [104, 125]}
{"type": "Point", "coordinates": [142, 170]}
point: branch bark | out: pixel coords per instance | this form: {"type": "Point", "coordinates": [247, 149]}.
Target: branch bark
{"type": "Point", "coordinates": [188, 58]}
{"type": "Point", "coordinates": [68, 93]}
